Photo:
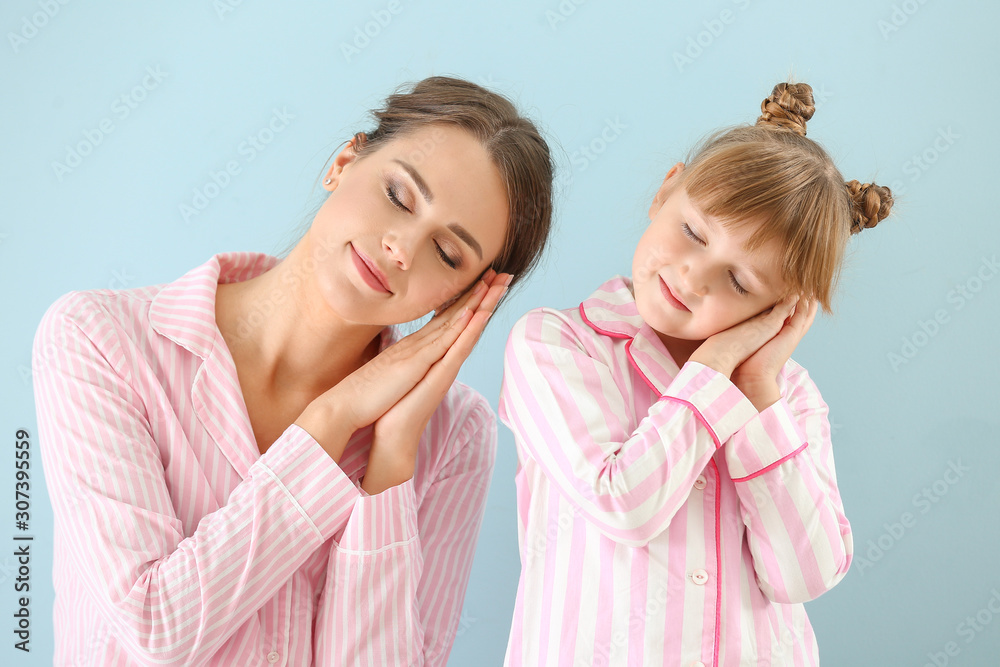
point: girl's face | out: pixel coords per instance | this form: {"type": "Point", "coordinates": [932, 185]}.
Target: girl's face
{"type": "Point", "coordinates": [691, 276]}
{"type": "Point", "coordinates": [408, 227]}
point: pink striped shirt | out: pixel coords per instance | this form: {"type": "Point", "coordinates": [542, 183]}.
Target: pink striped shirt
{"type": "Point", "coordinates": [662, 520]}
{"type": "Point", "coordinates": [177, 542]}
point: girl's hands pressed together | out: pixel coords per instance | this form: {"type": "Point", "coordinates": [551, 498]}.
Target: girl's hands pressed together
{"type": "Point", "coordinates": [392, 457]}
{"type": "Point", "coordinates": [753, 352]}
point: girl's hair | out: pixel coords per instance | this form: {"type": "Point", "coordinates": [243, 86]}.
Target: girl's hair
{"type": "Point", "coordinates": [514, 144]}
{"type": "Point", "coordinates": [771, 176]}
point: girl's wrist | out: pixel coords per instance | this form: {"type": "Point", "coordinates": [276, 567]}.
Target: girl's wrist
{"type": "Point", "coordinates": [763, 393]}
{"type": "Point", "coordinates": [712, 362]}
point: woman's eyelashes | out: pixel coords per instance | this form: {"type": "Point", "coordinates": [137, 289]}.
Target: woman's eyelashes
{"type": "Point", "coordinates": [392, 193]}
{"type": "Point", "coordinates": [444, 256]}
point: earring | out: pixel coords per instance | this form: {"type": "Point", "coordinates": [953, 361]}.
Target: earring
{"type": "Point", "coordinates": [328, 181]}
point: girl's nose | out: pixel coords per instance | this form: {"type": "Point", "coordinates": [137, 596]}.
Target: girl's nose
{"type": "Point", "coordinates": [693, 280]}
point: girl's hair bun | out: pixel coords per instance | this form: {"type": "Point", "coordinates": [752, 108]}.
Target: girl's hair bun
{"type": "Point", "coordinates": [789, 106]}
{"type": "Point", "coordinates": [870, 204]}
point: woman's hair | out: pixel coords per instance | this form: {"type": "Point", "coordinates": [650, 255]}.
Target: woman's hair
{"type": "Point", "coordinates": [770, 175]}
{"type": "Point", "coordinates": [514, 144]}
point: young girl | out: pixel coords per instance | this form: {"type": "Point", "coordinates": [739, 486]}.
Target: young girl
{"type": "Point", "coordinates": [246, 467]}
{"type": "Point", "coordinates": [677, 500]}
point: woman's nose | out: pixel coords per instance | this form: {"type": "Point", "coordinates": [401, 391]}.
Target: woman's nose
{"type": "Point", "coordinates": [398, 251]}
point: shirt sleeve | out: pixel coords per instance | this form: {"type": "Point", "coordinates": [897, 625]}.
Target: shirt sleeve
{"type": "Point", "coordinates": [782, 465]}
{"type": "Point", "coordinates": [396, 580]}
{"type": "Point", "coordinates": [570, 415]}
{"type": "Point", "coordinates": [171, 598]}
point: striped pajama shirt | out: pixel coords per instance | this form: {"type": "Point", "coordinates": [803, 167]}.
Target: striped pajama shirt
{"type": "Point", "coordinates": [662, 520]}
{"type": "Point", "coordinates": [177, 543]}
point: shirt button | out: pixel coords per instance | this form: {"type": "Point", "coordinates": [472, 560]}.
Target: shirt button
{"type": "Point", "coordinates": [699, 577]}
{"type": "Point", "coordinates": [273, 657]}
{"type": "Point", "coordinates": [700, 482]}
{"type": "Point", "coordinates": [697, 664]}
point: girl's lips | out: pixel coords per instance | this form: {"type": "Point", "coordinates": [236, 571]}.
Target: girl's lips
{"type": "Point", "coordinates": [671, 298]}
{"type": "Point", "coordinates": [370, 272]}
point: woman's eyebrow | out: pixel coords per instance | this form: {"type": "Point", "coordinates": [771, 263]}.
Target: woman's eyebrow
{"type": "Point", "coordinates": [418, 179]}
{"type": "Point", "coordinates": [463, 234]}
{"type": "Point", "coordinates": [459, 231]}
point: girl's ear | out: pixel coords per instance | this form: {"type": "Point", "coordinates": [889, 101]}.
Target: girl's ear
{"type": "Point", "coordinates": [665, 188]}
{"type": "Point", "coordinates": [348, 155]}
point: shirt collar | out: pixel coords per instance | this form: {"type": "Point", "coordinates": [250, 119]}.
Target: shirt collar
{"type": "Point", "coordinates": [184, 310]}
{"type": "Point", "coordinates": [611, 311]}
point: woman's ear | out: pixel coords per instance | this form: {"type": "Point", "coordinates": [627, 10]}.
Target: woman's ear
{"type": "Point", "coordinates": [346, 157]}
{"type": "Point", "coordinates": [665, 189]}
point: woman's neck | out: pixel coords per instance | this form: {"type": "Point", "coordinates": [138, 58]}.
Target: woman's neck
{"type": "Point", "coordinates": [281, 332]}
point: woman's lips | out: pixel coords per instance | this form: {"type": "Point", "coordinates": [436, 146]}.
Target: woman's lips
{"type": "Point", "coordinates": [370, 272]}
{"type": "Point", "coordinates": [671, 298]}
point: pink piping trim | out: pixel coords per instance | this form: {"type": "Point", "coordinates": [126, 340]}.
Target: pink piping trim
{"type": "Point", "coordinates": [698, 416]}
{"type": "Point", "coordinates": [770, 467]}
{"type": "Point", "coordinates": [613, 334]}
{"type": "Point", "coordinates": [718, 564]}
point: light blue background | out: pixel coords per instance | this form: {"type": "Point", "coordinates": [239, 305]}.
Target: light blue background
{"type": "Point", "coordinates": [885, 96]}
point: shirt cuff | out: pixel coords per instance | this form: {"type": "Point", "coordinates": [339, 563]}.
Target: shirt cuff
{"type": "Point", "coordinates": [765, 442]}
{"type": "Point", "coordinates": [382, 520]}
{"type": "Point", "coordinates": [312, 480]}
{"type": "Point", "coordinates": [717, 403]}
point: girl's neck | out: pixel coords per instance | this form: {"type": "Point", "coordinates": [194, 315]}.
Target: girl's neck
{"type": "Point", "coordinates": [680, 349]}
{"type": "Point", "coordinates": [278, 328]}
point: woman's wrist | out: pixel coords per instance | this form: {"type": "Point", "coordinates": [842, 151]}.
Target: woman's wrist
{"type": "Point", "coordinates": [378, 477]}
{"type": "Point", "coordinates": [328, 427]}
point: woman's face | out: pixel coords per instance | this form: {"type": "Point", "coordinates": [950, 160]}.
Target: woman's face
{"type": "Point", "coordinates": [408, 227]}
{"type": "Point", "coordinates": [692, 276]}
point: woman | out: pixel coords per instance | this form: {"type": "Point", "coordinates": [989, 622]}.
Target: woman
{"type": "Point", "coordinates": [245, 465]}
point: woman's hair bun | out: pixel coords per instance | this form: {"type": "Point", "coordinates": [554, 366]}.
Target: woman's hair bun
{"type": "Point", "coordinates": [870, 204]}
{"type": "Point", "coordinates": [789, 106]}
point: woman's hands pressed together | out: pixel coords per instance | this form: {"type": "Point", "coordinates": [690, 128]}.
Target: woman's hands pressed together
{"type": "Point", "coordinates": [753, 352]}
{"type": "Point", "coordinates": [401, 387]}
